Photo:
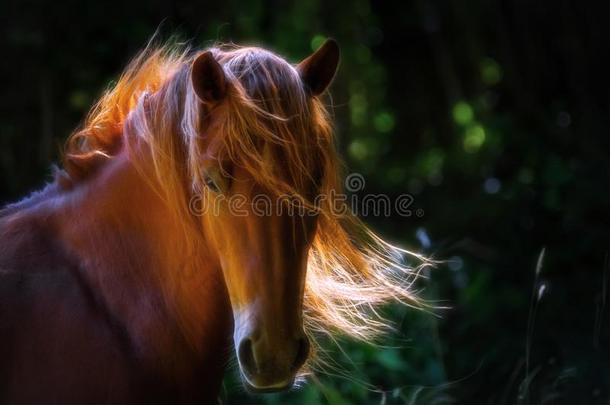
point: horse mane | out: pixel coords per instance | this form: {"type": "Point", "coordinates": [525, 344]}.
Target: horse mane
{"type": "Point", "coordinates": [352, 271]}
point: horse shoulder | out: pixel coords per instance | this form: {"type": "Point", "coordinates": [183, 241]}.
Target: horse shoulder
{"type": "Point", "coordinates": [55, 345]}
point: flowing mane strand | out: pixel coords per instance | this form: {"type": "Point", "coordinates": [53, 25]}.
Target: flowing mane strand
{"type": "Point", "coordinates": [351, 271]}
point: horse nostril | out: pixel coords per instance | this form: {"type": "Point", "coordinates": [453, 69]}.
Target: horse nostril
{"type": "Point", "coordinates": [275, 358]}
{"type": "Point", "coordinates": [246, 356]}
{"type": "Point", "coordinates": [302, 353]}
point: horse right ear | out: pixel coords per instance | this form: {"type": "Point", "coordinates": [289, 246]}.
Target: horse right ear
{"type": "Point", "coordinates": [208, 78]}
{"type": "Point", "coordinates": [318, 70]}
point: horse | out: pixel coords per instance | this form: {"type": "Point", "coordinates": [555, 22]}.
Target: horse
{"type": "Point", "coordinates": [116, 288]}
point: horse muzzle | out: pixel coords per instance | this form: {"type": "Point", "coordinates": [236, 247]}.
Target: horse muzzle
{"type": "Point", "coordinates": [267, 366]}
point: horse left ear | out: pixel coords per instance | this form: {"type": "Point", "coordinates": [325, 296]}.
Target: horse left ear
{"type": "Point", "coordinates": [318, 70]}
{"type": "Point", "coordinates": [208, 78]}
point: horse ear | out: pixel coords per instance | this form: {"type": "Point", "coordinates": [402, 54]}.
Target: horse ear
{"type": "Point", "coordinates": [318, 70]}
{"type": "Point", "coordinates": [208, 78]}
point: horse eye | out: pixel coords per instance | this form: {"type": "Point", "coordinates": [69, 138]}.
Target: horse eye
{"type": "Point", "coordinates": [212, 185]}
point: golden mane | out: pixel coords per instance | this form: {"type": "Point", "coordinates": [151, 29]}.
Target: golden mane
{"type": "Point", "coordinates": [351, 271]}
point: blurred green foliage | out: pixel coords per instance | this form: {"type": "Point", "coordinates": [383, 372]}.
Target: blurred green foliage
{"type": "Point", "coordinates": [493, 116]}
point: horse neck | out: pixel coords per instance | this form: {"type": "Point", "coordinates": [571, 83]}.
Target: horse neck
{"type": "Point", "coordinates": [130, 244]}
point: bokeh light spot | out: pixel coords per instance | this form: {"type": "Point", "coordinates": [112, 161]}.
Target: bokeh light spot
{"type": "Point", "coordinates": [363, 149]}
{"type": "Point", "coordinates": [384, 122]}
{"type": "Point", "coordinates": [357, 150]}
{"type": "Point", "coordinates": [492, 185]}
{"type": "Point", "coordinates": [317, 41]}
{"type": "Point", "coordinates": [358, 107]}
{"type": "Point", "coordinates": [491, 72]}
{"type": "Point", "coordinates": [462, 113]}
{"type": "Point", "coordinates": [474, 138]}
{"type": "Point", "coordinates": [432, 162]}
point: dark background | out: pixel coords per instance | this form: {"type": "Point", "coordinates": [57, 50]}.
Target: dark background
{"type": "Point", "coordinates": [493, 115]}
